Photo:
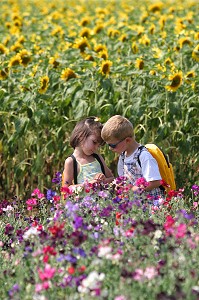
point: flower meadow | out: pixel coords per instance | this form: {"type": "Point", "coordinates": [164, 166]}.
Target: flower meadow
{"type": "Point", "coordinates": [99, 242]}
{"type": "Point", "coordinates": [63, 60]}
{"type": "Point", "coordinates": [59, 62]}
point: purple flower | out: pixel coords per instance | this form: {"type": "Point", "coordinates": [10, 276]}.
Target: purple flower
{"type": "Point", "coordinates": [50, 194]}
{"type": "Point", "coordinates": [58, 178]}
{"type": "Point", "coordinates": [14, 290]}
{"type": "Point", "coordinates": [79, 251]}
{"type": "Point", "coordinates": [78, 222]}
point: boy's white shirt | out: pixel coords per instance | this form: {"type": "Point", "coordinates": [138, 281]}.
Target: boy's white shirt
{"type": "Point", "coordinates": [149, 170]}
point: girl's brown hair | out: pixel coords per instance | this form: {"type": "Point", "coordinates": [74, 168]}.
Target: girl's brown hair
{"type": "Point", "coordinates": [85, 128]}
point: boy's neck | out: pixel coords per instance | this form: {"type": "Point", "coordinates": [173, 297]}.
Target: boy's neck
{"type": "Point", "coordinates": [132, 146]}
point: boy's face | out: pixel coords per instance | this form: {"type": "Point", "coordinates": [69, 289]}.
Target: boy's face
{"type": "Point", "coordinates": [117, 146]}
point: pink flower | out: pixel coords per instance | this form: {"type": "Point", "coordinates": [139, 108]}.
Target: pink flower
{"type": "Point", "coordinates": [42, 286]}
{"type": "Point", "coordinates": [138, 275]}
{"type": "Point", "coordinates": [47, 273]}
{"type": "Point", "coordinates": [141, 182]}
{"type": "Point", "coordinates": [181, 231]}
{"type": "Point", "coordinates": [37, 193]}
{"type": "Point", "coordinates": [150, 272]}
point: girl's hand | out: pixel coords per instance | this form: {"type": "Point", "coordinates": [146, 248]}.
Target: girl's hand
{"type": "Point", "coordinates": [100, 177]}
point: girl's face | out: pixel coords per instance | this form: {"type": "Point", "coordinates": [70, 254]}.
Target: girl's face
{"type": "Point", "coordinates": [90, 145]}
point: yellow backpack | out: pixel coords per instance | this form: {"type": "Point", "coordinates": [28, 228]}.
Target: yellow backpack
{"type": "Point", "coordinates": [165, 167]}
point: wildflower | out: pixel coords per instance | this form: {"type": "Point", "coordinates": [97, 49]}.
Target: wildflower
{"type": "Point", "coordinates": [176, 81]}
{"type": "Point", "coordinates": [105, 67]}
{"type": "Point", "coordinates": [31, 232]}
{"type": "Point", "coordinates": [195, 53]}
{"type": "Point", "coordinates": [47, 273]}
{"type": "Point", "coordinates": [43, 84]}
{"type": "Point", "coordinates": [31, 203]}
{"type": "Point", "coordinates": [67, 74]}
{"type": "Point", "coordinates": [37, 193]}
{"type": "Point", "coordinates": [58, 177]}
{"type": "Point", "coordinates": [181, 231]}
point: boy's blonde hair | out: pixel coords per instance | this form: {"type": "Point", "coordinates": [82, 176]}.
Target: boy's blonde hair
{"type": "Point", "coordinates": [117, 127]}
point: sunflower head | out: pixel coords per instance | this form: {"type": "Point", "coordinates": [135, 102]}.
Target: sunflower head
{"type": "Point", "coordinates": [139, 64]}
{"type": "Point", "coordinates": [103, 54]}
{"type": "Point", "coordinates": [82, 43]}
{"type": "Point", "coordinates": [25, 57]}
{"type": "Point", "coordinates": [3, 74]}
{"type": "Point", "coordinates": [43, 84]}
{"type": "Point", "coordinates": [176, 81]}
{"type": "Point", "coordinates": [67, 74]}
{"type": "Point", "coordinates": [134, 47]}
{"type": "Point", "coordinates": [3, 49]}
{"type": "Point", "coordinates": [195, 53]}
{"type": "Point", "coordinates": [105, 67]}
{"type": "Point", "coordinates": [85, 32]}
{"type": "Point", "coordinates": [184, 41]}
{"type": "Point", "coordinates": [15, 61]}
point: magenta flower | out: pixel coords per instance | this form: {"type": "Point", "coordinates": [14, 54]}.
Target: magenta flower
{"type": "Point", "coordinates": [47, 273]}
{"type": "Point", "coordinates": [30, 203]}
{"type": "Point", "coordinates": [181, 231]}
{"type": "Point", "coordinates": [37, 193]}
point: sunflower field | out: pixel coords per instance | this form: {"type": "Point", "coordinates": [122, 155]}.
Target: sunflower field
{"type": "Point", "coordinates": [63, 60]}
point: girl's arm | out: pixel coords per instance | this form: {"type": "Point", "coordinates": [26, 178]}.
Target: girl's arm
{"type": "Point", "coordinates": [68, 174]}
{"type": "Point", "coordinates": [108, 173]}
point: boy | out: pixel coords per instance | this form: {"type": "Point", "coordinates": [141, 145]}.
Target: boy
{"type": "Point", "coordinates": [118, 133]}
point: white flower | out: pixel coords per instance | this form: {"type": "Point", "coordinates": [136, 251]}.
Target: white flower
{"type": "Point", "coordinates": [104, 251]}
{"type": "Point", "coordinates": [32, 231]}
{"type": "Point", "coordinates": [8, 208]}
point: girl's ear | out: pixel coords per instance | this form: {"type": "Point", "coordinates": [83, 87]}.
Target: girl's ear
{"type": "Point", "coordinates": [128, 139]}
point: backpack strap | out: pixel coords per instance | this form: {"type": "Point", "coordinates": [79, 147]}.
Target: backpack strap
{"type": "Point", "coordinates": [140, 150]}
{"type": "Point", "coordinates": [74, 168]}
{"type": "Point", "coordinates": [96, 156]}
{"type": "Point", "coordinates": [100, 162]}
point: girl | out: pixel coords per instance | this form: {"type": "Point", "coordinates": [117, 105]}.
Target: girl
{"type": "Point", "coordinates": [85, 164]}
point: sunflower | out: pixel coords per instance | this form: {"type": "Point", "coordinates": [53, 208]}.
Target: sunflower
{"type": "Point", "coordinates": [105, 67]}
{"type": "Point", "coordinates": [15, 60]}
{"type": "Point", "coordinates": [152, 29]}
{"type": "Point", "coordinates": [134, 47]}
{"type": "Point", "coordinates": [85, 32]}
{"type": "Point", "coordinates": [81, 44]}
{"type": "Point", "coordinates": [144, 40]}
{"type": "Point", "coordinates": [103, 54]}
{"type": "Point", "coordinates": [196, 36]}
{"type": "Point", "coordinates": [16, 47]}
{"type": "Point", "coordinates": [156, 7]}
{"type": "Point", "coordinates": [98, 28]}
{"type": "Point", "coordinates": [44, 84]}
{"type": "Point", "coordinates": [67, 74]}
{"type": "Point", "coordinates": [176, 81]}
{"type": "Point", "coordinates": [25, 57]}
{"type": "Point", "coordinates": [53, 61]}
{"type": "Point", "coordinates": [113, 32]}
{"type": "Point", "coordinates": [85, 21]}
{"type": "Point", "coordinates": [3, 49]}
{"type": "Point", "coordinates": [123, 38]}
{"type": "Point", "coordinates": [195, 53]}
{"type": "Point", "coordinates": [184, 41]}
{"type": "Point", "coordinates": [189, 76]}
{"type": "Point", "coordinates": [100, 48]}
{"type": "Point", "coordinates": [3, 74]}
{"type": "Point", "coordinates": [139, 64]}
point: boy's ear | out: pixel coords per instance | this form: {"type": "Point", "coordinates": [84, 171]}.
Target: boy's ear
{"type": "Point", "coordinates": [128, 139]}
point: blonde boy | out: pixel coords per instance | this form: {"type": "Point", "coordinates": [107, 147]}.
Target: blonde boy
{"type": "Point", "coordinates": [118, 133]}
